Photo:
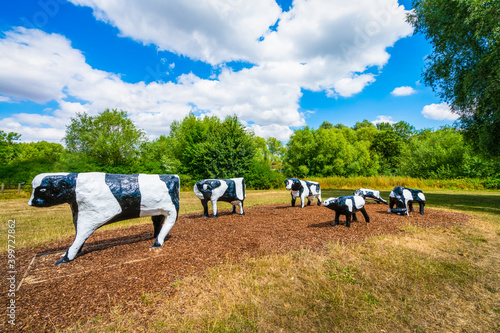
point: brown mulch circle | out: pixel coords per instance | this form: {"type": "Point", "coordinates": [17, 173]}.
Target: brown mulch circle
{"type": "Point", "coordinates": [117, 266]}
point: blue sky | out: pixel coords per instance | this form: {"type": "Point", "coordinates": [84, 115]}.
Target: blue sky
{"type": "Point", "coordinates": [277, 65]}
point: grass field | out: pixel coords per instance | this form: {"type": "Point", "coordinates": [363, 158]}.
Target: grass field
{"type": "Point", "coordinates": [424, 280]}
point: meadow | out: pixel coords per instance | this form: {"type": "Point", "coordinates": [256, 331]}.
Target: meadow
{"type": "Point", "coordinates": [421, 280]}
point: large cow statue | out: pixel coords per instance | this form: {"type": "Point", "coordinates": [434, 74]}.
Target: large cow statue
{"type": "Point", "coordinates": [367, 193]}
{"type": "Point", "coordinates": [403, 198]}
{"type": "Point", "coordinates": [303, 189]}
{"type": "Point", "coordinates": [348, 206]}
{"type": "Point", "coordinates": [227, 190]}
{"type": "Point", "coordinates": [97, 199]}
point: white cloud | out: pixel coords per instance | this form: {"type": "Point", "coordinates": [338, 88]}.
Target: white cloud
{"type": "Point", "coordinates": [212, 31]}
{"type": "Point", "coordinates": [439, 112]}
{"type": "Point", "coordinates": [383, 119]}
{"type": "Point", "coordinates": [319, 45]}
{"type": "Point", "coordinates": [403, 91]}
{"type": "Point", "coordinates": [280, 132]}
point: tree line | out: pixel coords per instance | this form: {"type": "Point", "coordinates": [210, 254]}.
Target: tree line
{"type": "Point", "coordinates": [210, 147]}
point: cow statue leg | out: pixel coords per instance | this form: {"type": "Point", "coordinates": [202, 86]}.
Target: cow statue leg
{"type": "Point", "coordinates": [204, 203]}
{"type": "Point", "coordinates": [293, 201]}
{"type": "Point", "coordinates": [157, 224]}
{"type": "Point", "coordinates": [169, 219]}
{"type": "Point", "coordinates": [214, 208]}
{"type": "Point", "coordinates": [348, 219]}
{"type": "Point", "coordinates": [319, 200]}
{"type": "Point", "coordinates": [337, 217]}
{"type": "Point", "coordinates": [308, 202]}
{"type": "Point", "coordinates": [234, 210]}
{"type": "Point", "coordinates": [421, 204]}
{"type": "Point", "coordinates": [354, 217]}
{"type": "Point", "coordinates": [82, 233]}
{"type": "Point", "coordinates": [365, 214]}
{"type": "Point", "coordinates": [410, 207]}
{"type": "Point", "coordinates": [391, 205]}
{"type": "Point", "coordinates": [302, 201]}
{"type": "Point", "coordinates": [241, 208]}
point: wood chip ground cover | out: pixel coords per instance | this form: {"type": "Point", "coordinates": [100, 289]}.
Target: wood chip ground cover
{"type": "Point", "coordinates": [117, 267]}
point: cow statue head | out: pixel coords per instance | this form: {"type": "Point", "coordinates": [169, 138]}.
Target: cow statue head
{"type": "Point", "coordinates": [292, 184]}
{"type": "Point", "coordinates": [50, 189]}
{"type": "Point", "coordinates": [203, 189]}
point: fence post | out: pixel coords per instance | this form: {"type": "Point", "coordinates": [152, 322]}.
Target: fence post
{"type": "Point", "coordinates": [18, 188]}
{"type": "Point", "coordinates": [2, 188]}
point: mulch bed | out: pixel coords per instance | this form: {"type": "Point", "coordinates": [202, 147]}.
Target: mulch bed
{"type": "Point", "coordinates": [117, 267]}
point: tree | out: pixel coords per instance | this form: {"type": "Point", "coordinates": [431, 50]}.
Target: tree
{"type": "Point", "coordinates": [464, 66]}
{"type": "Point", "coordinates": [157, 157]}
{"type": "Point", "coordinates": [8, 145]}
{"type": "Point", "coordinates": [210, 148]}
{"type": "Point", "coordinates": [389, 145]}
{"type": "Point", "coordinates": [363, 124]}
{"type": "Point", "coordinates": [326, 125]}
{"type": "Point", "coordinates": [110, 138]}
{"type": "Point", "coordinates": [438, 154]}
{"type": "Point", "coordinates": [329, 152]}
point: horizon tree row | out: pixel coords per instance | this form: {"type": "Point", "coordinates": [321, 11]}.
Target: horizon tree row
{"type": "Point", "coordinates": [209, 147]}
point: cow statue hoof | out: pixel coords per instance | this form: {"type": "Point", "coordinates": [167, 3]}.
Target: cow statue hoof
{"type": "Point", "coordinates": [156, 244]}
{"type": "Point", "coordinates": [227, 190]}
{"type": "Point", "coordinates": [348, 206]}
{"type": "Point", "coordinates": [303, 189]}
{"type": "Point", "coordinates": [63, 260]}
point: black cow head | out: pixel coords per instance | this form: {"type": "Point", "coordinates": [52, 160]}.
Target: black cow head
{"type": "Point", "coordinates": [207, 186]}
{"type": "Point", "coordinates": [292, 184]}
{"type": "Point", "coordinates": [53, 189]}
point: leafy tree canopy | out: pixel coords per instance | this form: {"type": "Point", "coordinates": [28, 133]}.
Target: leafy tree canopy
{"type": "Point", "coordinates": [464, 66]}
{"type": "Point", "coordinates": [109, 138]}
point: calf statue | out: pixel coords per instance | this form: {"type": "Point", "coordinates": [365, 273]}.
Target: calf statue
{"type": "Point", "coordinates": [303, 189]}
{"type": "Point", "coordinates": [98, 198]}
{"type": "Point", "coordinates": [227, 190]}
{"type": "Point", "coordinates": [403, 198]}
{"type": "Point", "coordinates": [347, 205]}
{"type": "Point", "coordinates": [367, 193]}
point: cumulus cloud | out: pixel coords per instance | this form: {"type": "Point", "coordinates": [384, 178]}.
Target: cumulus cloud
{"type": "Point", "coordinates": [279, 132]}
{"type": "Point", "coordinates": [318, 45]}
{"type": "Point", "coordinates": [403, 91]}
{"type": "Point", "coordinates": [383, 119]}
{"type": "Point", "coordinates": [439, 112]}
{"type": "Point", "coordinates": [212, 31]}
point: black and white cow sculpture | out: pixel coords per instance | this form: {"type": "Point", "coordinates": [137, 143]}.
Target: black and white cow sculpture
{"type": "Point", "coordinates": [348, 206]}
{"type": "Point", "coordinates": [367, 193]}
{"type": "Point", "coordinates": [227, 190]}
{"type": "Point", "coordinates": [303, 189]}
{"type": "Point", "coordinates": [97, 199]}
{"type": "Point", "coordinates": [403, 198]}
